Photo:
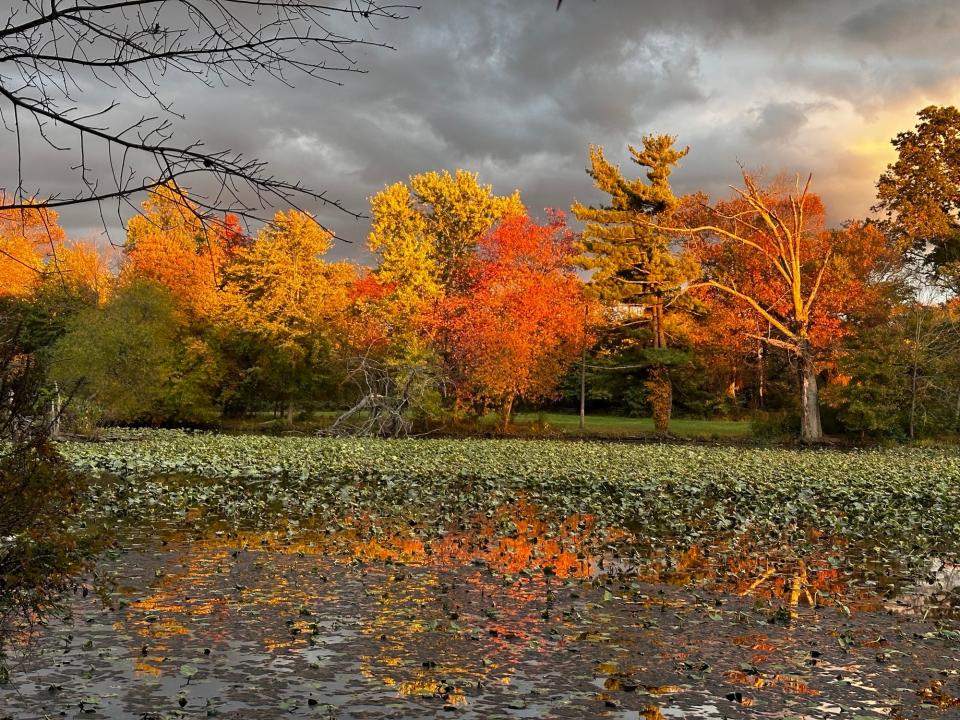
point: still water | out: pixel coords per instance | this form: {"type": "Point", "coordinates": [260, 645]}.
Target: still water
{"type": "Point", "coordinates": [306, 624]}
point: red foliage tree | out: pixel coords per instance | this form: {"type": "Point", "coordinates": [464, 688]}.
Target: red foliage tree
{"type": "Point", "coordinates": [523, 319]}
{"type": "Point", "coordinates": [767, 253]}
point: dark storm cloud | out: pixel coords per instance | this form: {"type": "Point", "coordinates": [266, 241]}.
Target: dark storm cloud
{"type": "Point", "coordinates": [914, 25]}
{"type": "Point", "coordinates": [517, 92]}
{"type": "Point", "coordinates": [779, 121]}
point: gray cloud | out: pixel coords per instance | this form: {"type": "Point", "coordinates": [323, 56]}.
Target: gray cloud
{"type": "Point", "coordinates": [517, 92]}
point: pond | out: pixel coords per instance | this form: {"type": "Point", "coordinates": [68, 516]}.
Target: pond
{"type": "Point", "coordinates": [494, 616]}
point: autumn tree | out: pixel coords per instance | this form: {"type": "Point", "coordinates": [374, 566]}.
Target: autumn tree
{"type": "Point", "coordinates": [425, 231]}
{"type": "Point", "coordinates": [523, 320]}
{"type": "Point", "coordinates": [768, 250]}
{"type": "Point", "coordinates": [282, 292]}
{"type": "Point", "coordinates": [919, 194]}
{"type": "Point", "coordinates": [26, 235]}
{"type": "Point", "coordinates": [82, 270]}
{"type": "Point", "coordinates": [633, 262]}
{"type": "Point", "coordinates": [726, 337]}
{"type": "Point", "coordinates": [171, 243]}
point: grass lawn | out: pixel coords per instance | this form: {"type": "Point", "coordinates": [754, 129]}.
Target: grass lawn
{"type": "Point", "coordinates": [567, 423]}
{"type": "Point", "coordinates": [613, 425]}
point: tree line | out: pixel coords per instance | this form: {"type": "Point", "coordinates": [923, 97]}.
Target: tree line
{"type": "Point", "coordinates": [749, 305]}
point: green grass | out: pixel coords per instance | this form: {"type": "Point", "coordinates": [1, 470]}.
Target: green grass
{"type": "Point", "coordinates": [614, 426]}
{"type": "Point", "coordinates": [566, 423]}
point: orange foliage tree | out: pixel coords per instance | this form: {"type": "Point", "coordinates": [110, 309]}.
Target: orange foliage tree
{"type": "Point", "coordinates": [26, 235]}
{"type": "Point", "coordinates": [522, 321]}
{"type": "Point", "coordinates": [768, 251]}
{"type": "Point", "coordinates": [173, 244]}
{"type": "Point", "coordinates": [726, 336]}
{"type": "Point", "coordinates": [370, 324]}
{"type": "Point", "coordinates": [82, 269]}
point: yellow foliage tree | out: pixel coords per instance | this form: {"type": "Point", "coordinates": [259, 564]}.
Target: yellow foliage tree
{"type": "Point", "coordinates": [408, 263]}
{"type": "Point", "coordinates": [83, 269]}
{"type": "Point", "coordinates": [425, 231]}
{"type": "Point", "coordinates": [281, 286]}
{"type": "Point", "coordinates": [281, 291]}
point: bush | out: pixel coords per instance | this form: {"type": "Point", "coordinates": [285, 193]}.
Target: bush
{"type": "Point", "coordinates": [132, 363]}
{"type": "Point", "coordinates": [775, 426]}
{"type": "Point", "coordinates": [40, 553]}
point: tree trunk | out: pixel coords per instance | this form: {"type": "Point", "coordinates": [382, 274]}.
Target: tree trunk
{"type": "Point", "coordinates": [290, 412]}
{"type": "Point", "coordinates": [913, 401]}
{"type": "Point", "coordinates": [583, 387]}
{"type": "Point", "coordinates": [659, 387]}
{"type": "Point", "coordinates": [660, 393]}
{"type": "Point", "coordinates": [659, 327]}
{"type": "Point", "coordinates": [55, 412]}
{"type": "Point", "coordinates": [760, 375]}
{"type": "Point", "coordinates": [506, 412]}
{"type": "Point", "coordinates": [732, 386]}
{"type": "Point", "coordinates": [913, 381]}
{"type": "Point", "coordinates": [810, 429]}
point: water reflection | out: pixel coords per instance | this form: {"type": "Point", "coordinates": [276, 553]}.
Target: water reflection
{"type": "Point", "coordinates": [936, 594]}
{"type": "Point", "coordinates": [499, 616]}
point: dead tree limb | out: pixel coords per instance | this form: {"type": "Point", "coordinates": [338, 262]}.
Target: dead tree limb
{"type": "Point", "coordinates": [390, 398]}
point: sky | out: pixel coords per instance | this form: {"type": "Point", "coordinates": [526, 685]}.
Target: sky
{"type": "Point", "coordinates": [517, 91]}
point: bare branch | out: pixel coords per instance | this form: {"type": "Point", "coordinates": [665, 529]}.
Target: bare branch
{"type": "Point", "coordinates": [52, 53]}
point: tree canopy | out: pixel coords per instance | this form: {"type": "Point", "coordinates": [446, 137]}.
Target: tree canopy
{"type": "Point", "coordinates": [919, 194]}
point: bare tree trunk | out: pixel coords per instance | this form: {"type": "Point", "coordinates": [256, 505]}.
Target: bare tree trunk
{"type": "Point", "coordinates": [659, 386]}
{"type": "Point", "coordinates": [810, 429]}
{"type": "Point", "coordinates": [56, 409]}
{"type": "Point", "coordinates": [913, 399]}
{"type": "Point", "coordinates": [732, 385]}
{"type": "Point", "coordinates": [761, 389]}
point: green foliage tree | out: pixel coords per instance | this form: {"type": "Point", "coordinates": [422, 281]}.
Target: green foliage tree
{"type": "Point", "coordinates": [902, 376]}
{"type": "Point", "coordinates": [633, 263]}
{"type": "Point", "coordinates": [133, 362]}
{"type": "Point", "coordinates": [919, 194]}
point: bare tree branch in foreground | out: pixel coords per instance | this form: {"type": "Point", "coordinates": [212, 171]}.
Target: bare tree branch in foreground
{"type": "Point", "coordinates": [53, 53]}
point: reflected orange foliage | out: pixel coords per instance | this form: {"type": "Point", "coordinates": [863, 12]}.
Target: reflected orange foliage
{"type": "Point", "coordinates": [527, 548]}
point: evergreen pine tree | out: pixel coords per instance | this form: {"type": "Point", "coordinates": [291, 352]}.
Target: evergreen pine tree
{"type": "Point", "coordinates": [634, 263]}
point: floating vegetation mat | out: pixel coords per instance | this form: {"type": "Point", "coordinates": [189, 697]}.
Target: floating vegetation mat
{"type": "Point", "coordinates": [265, 577]}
